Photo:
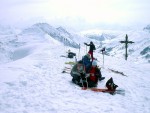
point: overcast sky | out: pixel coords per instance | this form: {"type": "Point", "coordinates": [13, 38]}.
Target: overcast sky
{"type": "Point", "coordinates": [76, 13]}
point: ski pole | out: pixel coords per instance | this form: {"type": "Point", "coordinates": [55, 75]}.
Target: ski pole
{"type": "Point", "coordinates": [82, 82]}
{"type": "Point", "coordinates": [103, 59]}
{"type": "Point", "coordinates": [75, 59]}
{"type": "Point", "coordinates": [79, 52]}
{"type": "Point", "coordinates": [86, 49]}
{"type": "Point", "coordinates": [87, 82]}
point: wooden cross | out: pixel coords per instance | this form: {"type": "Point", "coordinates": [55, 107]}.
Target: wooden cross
{"type": "Point", "coordinates": [126, 45]}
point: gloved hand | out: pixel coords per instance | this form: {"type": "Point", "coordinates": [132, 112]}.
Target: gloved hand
{"type": "Point", "coordinates": [76, 73]}
{"type": "Point", "coordinates": [87, 75]}
{"type": "Point", "coordinates": [85, 43]}
{"type": "Point", "coordinates": [82, 75]}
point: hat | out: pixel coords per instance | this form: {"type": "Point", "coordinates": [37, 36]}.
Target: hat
{"type": "Point", "coordinates": [88, 55]}
{"type": "Point", "coordinates": [94, 63]}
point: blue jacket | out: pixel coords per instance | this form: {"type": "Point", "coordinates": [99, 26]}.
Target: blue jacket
{"type": "Point", "coordinates": [86, 61]}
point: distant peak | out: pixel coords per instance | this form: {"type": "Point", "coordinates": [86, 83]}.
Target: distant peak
{"type": "Point", "coordinates": [42, 24]}
{"type": "Point", "coordinates": [61, 29]}
{"type": "Point", "coordinates": [147, 28]}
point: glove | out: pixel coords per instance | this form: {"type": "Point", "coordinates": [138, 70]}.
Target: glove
{"type": "Point", "coordinates": [76, 73]}
{"type": "Point", "coordinates": [87, 75]}
{"type": "Point", "coordinates": [85, 43]}
{"type": "Point", "coordinates": [82, 73]}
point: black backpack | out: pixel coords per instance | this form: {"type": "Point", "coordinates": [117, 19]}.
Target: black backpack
{"type": "Point", "coordinates": [94, 47]}
{"type": "Point", "coordinates": [71, 55]}
{"type": "Point", "coordinates": [110, 84]}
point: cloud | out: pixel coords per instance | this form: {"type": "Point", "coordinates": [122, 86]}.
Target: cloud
{"type": "Point", "coordinates": [76, 12]}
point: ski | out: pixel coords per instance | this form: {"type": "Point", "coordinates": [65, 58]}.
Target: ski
{"type": "Point", "coordinates": [63, 56]}
{"type": "Point", "coordinates": [67, 68]}
{"type": "Point", "coordinates": [65, 71]}
{"type": "Point", "coordinates": [71, 63]}
{"type": "Point", "coordinates": [113, 92]}
{"type": "Point", "coordinates": [117, 72]}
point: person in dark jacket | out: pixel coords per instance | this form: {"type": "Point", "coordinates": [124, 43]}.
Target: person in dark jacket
{"type": "Point", "coordinates": [78, 73]}
{"type": "Point", "coordinates": [86, 60]}
{"type": "Point", "coordinates": [91, 49]}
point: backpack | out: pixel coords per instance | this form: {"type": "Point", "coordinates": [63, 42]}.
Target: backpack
{"type": "Point", "coordinates": [93, 76]}
{"type": "Point", "coordinates": [71, 55]}
{"type": "Point", "coordinates": [94, 47]}
{"type": "Point", "coordinates": [110, 84]}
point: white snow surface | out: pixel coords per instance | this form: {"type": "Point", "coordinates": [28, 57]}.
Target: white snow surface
{"type": "Point", "coordinates": [32, 80]}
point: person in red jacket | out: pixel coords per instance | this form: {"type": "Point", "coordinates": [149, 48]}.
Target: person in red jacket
{"type": "Point", "coordinates": [94, 75]}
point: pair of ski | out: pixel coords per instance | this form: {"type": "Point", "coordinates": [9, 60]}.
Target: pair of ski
{"type": "Point", "coordinates": [112, 92]}
{"type": "Point", "coordinates": [66, 70]}
{"type": "Point", "coordinates": [117, 72]}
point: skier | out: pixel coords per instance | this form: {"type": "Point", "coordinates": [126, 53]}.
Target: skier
{"type": "Point", "coordinates": [103, 50]}
{"type": "Point", "coordinates": [91, 49]}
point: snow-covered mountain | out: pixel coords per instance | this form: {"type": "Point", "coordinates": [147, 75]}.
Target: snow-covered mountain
{"type": "Point", "coordinates": [11, 39]}
{"type": "Point", "coordinates": [101, 36]}
{"type": "Point", "coordinates": [140, 50]}
{"type": "Point", "coordinates": [33, 82]}
{"type": "Point", "coordinates": [59, 34]}
{"type": "Point", "coordinates": [147, 28]}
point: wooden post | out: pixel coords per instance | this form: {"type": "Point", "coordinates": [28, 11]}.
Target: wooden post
{"type": "Point", "coordinates": [126, 45]}
{"type": "Point", "coordinates": [103, 52]}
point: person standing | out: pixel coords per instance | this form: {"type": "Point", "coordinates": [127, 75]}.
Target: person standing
{"type": "Point", "coordinates": [91, 49]}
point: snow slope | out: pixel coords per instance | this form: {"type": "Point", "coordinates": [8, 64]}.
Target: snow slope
{"type": "Point", "coordinates": [32, 82]}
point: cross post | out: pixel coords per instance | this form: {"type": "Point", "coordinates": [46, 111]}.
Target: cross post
{"type": "Point", "coordinates": [126, 45]}
{"type": "Point", "coordinates": [103, 52]}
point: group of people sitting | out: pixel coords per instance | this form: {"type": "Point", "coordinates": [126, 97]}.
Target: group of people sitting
{"type": "Point", "coordinates": [86, 73]}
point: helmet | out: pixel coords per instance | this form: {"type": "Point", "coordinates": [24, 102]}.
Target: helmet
{"type": "Point", "coordinates": [94, 63]}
